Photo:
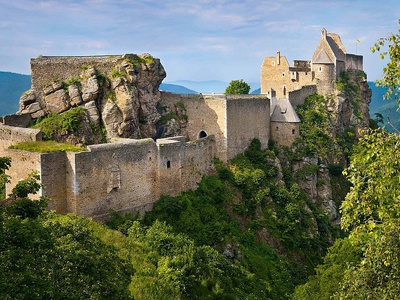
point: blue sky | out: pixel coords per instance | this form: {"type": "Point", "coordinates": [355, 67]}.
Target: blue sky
{"type": "Point", "coordinates": [195, 39]}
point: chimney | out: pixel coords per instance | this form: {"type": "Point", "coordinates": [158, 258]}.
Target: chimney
{"type": "Point", "coordinates": [323, 34]}
{"type": "Point", "coordinates": [278, 58]}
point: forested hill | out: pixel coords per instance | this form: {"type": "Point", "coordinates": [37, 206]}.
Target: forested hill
{"type": "Point", "coordinates": [12, 85]}
{"type": "Point", "coordinates": [385, 107]}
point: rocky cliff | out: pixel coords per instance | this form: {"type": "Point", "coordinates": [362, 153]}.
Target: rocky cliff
{"type": "Point", "coordinates": [119, 94]}
{"type": "Point", "coordinates": [330, 127]}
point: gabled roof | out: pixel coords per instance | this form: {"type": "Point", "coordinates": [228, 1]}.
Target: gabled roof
{"type": "Point", "coordinates": [283, 111]}
{"type": "Point", "coordinates": [336, 45]}
{"type": "Point", "coordinates": [322, 58]}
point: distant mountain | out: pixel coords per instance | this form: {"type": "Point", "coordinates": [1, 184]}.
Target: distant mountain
{"type": "Point", "coordinates": [204, 87]}
{"type": "Point", "coordinates": [177, 89]}
{"type": "Point", "coordinates": [256, 92]}
{"type": "Point", "coordinates": [12, 86]}
{"type": "Point", "coordinates": [383, 107]}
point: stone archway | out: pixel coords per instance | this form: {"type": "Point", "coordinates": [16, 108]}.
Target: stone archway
{"type": "Point", "coordinates": [202, 134]}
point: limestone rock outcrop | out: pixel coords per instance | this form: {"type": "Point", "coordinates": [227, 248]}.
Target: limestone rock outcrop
{"type": "Point", "coordinates": [120, 94]}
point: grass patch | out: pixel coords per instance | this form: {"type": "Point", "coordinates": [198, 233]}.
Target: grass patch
{"type": "Point", "coordinates": [52, 125]}
{"type": "Point", "coordinates": [47, 146]}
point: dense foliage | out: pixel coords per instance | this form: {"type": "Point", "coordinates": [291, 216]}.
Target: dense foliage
{"type": "Point", "coordinates": [365, 265]}
{"type": "Point", "coordinates": [265, 227]}
{"type": "Point", "coordinates": [237, 87]}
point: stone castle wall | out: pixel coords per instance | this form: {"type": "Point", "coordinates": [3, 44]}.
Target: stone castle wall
{"type": "Point", "coordinates": [248, 117]}
{"type": "Point", "coordinates": [234, 120]}
{"type": "Point", "coordinates": [10, 135]}
{"type": "Point", "coordinates": [325, 75]}
{"type": "Point", "coordinates": [276, 74]}
{"type": "Point", "coordinates": [47, 69]}
{"type": "Point", "coordinates": [354, 62]}
{"type": "Point", "coordinates": [119, 176]}
{"type": "Point", "coordinates": [284, 133]}
{"type": "Point", "coordinates": [22, 164]}
{"type": "Point", "coordinates": [127, 175]}
{"type": "Point", "coordinates": [297, 97]}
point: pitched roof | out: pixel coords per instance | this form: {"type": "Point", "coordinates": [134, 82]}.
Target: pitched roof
{"type": "Point", "coordinates": [323, 58]}
{"type": "Point", "coordinates": [336, 45]}
{"type": "Point", "coordinates": [283, 111]}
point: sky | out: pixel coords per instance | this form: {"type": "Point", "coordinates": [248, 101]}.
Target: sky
{"type": "Point", "coordinates": [195, 40]}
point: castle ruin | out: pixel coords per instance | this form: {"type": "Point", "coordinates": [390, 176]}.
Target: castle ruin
{"type": "Point", "coordinates": [138, 164]}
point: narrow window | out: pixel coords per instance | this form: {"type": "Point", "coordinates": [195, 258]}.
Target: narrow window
{"type": "Point", "coordinates": [283, 74]}
{"type": "Point", "coordinates": [284, 90]}
{"type": "Point", "coordinates": [273, 63]}
{"type": "Point", "coordinates": [168, 164]}
{"type": "Point", "coordinates": [293, 131]}
{"type": "Point", "coordinates": [277, 128]}
{"type": "Point", "coordinates": [320, 69]}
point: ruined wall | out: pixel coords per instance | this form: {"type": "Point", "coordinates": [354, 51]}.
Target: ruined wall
{"type": "Point", "coordinates": [197, 161]}
{"type": "Point", "coordinates": [13, 135]}
{"type": "Point", "coordinates": [248, 117]}
{"type": "Point", "coordinates": [354, 62]}
{"type": "Point", "coordinates": [22, 164]}
{"type": "Point", "coordinates": [53, 177]}
{"type": "Point", "coordinates": [46, 69]}
{"type": "Point", "coordinates": [170, 165]}
{"type": "Point", "coordinates": [285, 133]}
{"type": "Point", "coordinates": [120, 176]}
{"type": "Point", "coordinates": [297, 97]}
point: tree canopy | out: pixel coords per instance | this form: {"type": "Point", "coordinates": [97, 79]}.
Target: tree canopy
{"type": "Point", "coordinates": [237, 87]}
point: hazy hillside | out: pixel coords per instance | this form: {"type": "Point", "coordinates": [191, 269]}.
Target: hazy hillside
{"type": "Point", "coordinates": [177, 89]}
{"type": "Point", "coordinates": [384, 107]}
{"type": "Point", "coordinates": [11, 87]}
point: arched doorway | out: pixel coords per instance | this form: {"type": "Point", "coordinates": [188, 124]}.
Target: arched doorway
{"type": "Point", "coordinates": [202, 134]}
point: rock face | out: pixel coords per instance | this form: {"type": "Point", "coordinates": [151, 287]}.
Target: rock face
{"type": "Point", "coordinates": [120, 94]}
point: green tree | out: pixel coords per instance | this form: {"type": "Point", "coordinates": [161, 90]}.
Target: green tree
{"type": "Point", "coordinates": [371, 213]}
{"type": "Point", "coordinates": [366, 264]}
{"type": "Point", "coordinates": [237, 87]}
{"type": "Point", "coordinates": [48, 256]}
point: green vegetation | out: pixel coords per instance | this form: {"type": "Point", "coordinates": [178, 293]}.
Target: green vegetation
{"type": "Point", "coordinates": [273, 233]}
{"type": "Point", "coordinates": [317, 136]}
{"type": "Point", "coordinates": [47, 146]}
{"type": "Point", "coordinates": [237, 87]}
{"type": "Point", "coordinates": [314, 128]}
{"type": "Point", "coordinates": [54, 125]}
{"type": "Point", "coordinates": [148, 59]}
{"type": "Point", "coordinates": [365, 265]}
{"type": "Point", "coordinates": [351, 89]}
{"type": "Point", "coordinates": [115, 73]}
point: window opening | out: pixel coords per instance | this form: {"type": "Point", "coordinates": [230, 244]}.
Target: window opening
{"type": "Point", "coordinates": [168, 164]}
{"type": "Point", "coordinates": [202, 134]}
